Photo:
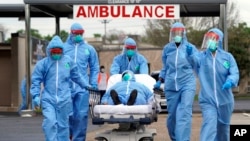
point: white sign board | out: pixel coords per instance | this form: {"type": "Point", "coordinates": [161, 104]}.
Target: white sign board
{"type": "Point", "coordinates": [127, 11]}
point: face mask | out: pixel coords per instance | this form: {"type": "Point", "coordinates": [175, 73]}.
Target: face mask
{"type": "Point", "coordinates": [56, 56]}
{"type": "Point", "coordinates": [78, 38]}
{"type": "Point", "coordinates": [177, 39]}
{"type": "Point", "coordinates": [130, 53]}
{"type": "Point", "coordinates": [126, 77]}
{"type": "Point", "coordinates": [212, 45]}
{"type": "Point", "coordinates": [102, 70]}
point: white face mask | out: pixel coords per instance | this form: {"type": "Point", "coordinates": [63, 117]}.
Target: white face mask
{"type": "Point", "coordinates": [102, 70]}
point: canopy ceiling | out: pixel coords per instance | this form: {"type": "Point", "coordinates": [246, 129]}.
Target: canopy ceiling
{"type": "Point", "coordinates": [64, 8]}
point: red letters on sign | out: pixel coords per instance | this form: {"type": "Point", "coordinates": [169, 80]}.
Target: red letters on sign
{"type": "Point", "coordinates": [126, 11]}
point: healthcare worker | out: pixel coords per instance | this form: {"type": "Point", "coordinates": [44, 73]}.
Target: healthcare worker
{"type": "Point", "coordinates": [218, 73]}
{"type": "Point", "coordinates": [85, 56]}
{"type": "Point", "coordinates": [23, 105]}
{"type": "Point", "coordinates": [127, 92]}
{"type": "Point", "coordinates": [180, 83]}
{"type": "Point", "coordinates": [129, 59]}
{"type": "Point", "coordinates": [55, 72]}
{"type": "Point", "coordinates": [102, 81]}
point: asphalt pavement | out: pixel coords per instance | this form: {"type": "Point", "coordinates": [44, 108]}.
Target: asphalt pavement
{"type": "Point", "coordinates": [16, 128]}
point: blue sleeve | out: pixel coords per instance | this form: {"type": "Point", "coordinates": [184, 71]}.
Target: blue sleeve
{"type": "Point", "coordinates": [93, 66]}
{"type": "Point", "coordinates": [23, 87]}
{"type": "Point", "coordinates": [76, 76]}
{"type": "Point", "coordinates": [37, 79]}
{"type": "Point", "coordinates": [148, 93]}
{"type": "Point", "coordinates": [194, 58]}
{"type": "Point", "coordinates": [106, 96]}
{"type": "Point", "coordinates": [143, 65]}
{"type": "Point", "coordinates": [115, 66]}
{"type": "Point", "coordinates": [233, 71]}
{"type": "Point", "coordinates": [164, 65]}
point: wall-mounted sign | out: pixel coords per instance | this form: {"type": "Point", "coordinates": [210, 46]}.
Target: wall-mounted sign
{"type": "Point", "coordinates": [127, 11]}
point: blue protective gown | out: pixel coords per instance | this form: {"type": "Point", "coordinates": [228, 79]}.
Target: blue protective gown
{"type": "Point", "coordinates": [124, 89]}
{"type": "Point", "coordinates": [23, 105]}
{"type": "Point", "coordinates": [180, 86]}
{"type": "Point", "coordinates": [85, 56]}
{"type": "Point", "coordinates": [56, 96]}
{"type": "Point", "coordinates": [216, 104]}
{"type": "Point", "coordinates": [138, 64]}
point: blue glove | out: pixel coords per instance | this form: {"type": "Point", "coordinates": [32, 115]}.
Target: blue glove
{"type": "Point", "coordinates": [227, 85]}
{"type": "Point", "coordinates": [157, 85]}
{"type": "Point", "coordinates": [94, 86]}
{"type": "Point", "coordinates": [36, 101]}
{"type": "Point", "coordinates": [189, 50]}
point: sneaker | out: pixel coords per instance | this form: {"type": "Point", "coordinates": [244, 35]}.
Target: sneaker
{"type": "Point", "coordinates": [132, 97]}
{"type": "Point", "coordinates": [115, 97]}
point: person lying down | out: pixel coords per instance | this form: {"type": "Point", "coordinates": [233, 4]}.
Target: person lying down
{"type": "Point", "coordinates": [127, 92]}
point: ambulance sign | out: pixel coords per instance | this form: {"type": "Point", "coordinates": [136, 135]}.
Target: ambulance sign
{"type": "Point", "coordinates": [127, 11]}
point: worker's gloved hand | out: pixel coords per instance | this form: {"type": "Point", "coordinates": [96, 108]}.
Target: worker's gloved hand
{"type": "Point", "coordinates": [227, 85]}
{"type": "Point", "coordinates": [36, 101]}
{"type": "Point", "coordinates": [94, 86]}
{"type": "Point", "coordinates": [157, 84]}
{"type": "Point", "coordinates": [189, 50]}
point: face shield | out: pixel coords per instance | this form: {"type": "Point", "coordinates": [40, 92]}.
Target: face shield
{"type": "Point", "coordinates": [210, 41]}
{"type": "Point", "coordinates": [127, 76]}
{"type": "Point", "coordinates": [56, 53]}
{"type": "Point", "coordinates": [77, 35]}
{"type": "Point", "coordinates": [130, 50]}
{"type": "Point", "coordinates": [176, 34]}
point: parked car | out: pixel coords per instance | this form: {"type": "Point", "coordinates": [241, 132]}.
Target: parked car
{"type": "Point", "coordinates": [163, 101]}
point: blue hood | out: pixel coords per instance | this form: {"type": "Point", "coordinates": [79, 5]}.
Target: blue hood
{"type": "Point", "coordinates": [180, 25]}
{"type": "Point", "coordinates": [129, 41]}
{"type": "Point", "coordinates": [55, 42]}
{"type": "Point", "coordinates": [221, 35]}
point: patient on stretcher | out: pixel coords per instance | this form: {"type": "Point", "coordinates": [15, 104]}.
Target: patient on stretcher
{"type": "Point", "coordinates": [128, 92]}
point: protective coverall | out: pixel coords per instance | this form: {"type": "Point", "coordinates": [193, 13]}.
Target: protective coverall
{"type": "Point", "coordinates": [56, 95]}
{"type": "Point", "coordinates": [138, 64]}
{"type": "Point", "coordinates": [216, 102]}
{"type": "Point", "coordinates": [85, 56]}
{"type": "Point", "coordinates": [180, 86]}
{"type": "Point", "coordinates": [23, 105]}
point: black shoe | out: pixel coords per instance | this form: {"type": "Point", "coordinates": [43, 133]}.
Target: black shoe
{"type": "Point", "coordinates": [115, 97]}
{"type": "Point", "coordinates": [132, 97]}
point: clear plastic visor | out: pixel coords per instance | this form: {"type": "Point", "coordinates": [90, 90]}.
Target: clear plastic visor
{"type": "Point", "coordinates": [176, 32]}
{"type": "Point", "coordinates": [209, 38]}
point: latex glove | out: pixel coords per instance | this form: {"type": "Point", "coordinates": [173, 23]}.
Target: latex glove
{"type": "Point", "coordinates": [189, 50]}
{"type": "Point", "coordinates": [157, 85]}
{"type": "Point", "coordinates": [36, 101]}
{"type": "Point", "coordinates": [227, 85]}
{"type": "Point", "coordinates": [94, 86]}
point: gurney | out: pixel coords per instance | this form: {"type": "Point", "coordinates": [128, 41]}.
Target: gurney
{"type": "Point", "coordinates": [132, 119]}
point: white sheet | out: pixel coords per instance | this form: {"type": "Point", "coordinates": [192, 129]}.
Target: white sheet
{"type": "Point", "coordinates": [122, 109]}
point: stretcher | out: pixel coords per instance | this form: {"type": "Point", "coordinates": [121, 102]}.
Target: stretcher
{"type": "Point", "coordinates": [132, 120]}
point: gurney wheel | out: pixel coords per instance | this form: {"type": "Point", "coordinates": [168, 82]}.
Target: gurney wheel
{"type": "Point", "coordinates": [101, 139]}
{"type": "Point", "coordinates": [147, 139]}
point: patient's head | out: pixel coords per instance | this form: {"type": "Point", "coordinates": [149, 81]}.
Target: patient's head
{"type": "Point", "coordinates": [127, 75]}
